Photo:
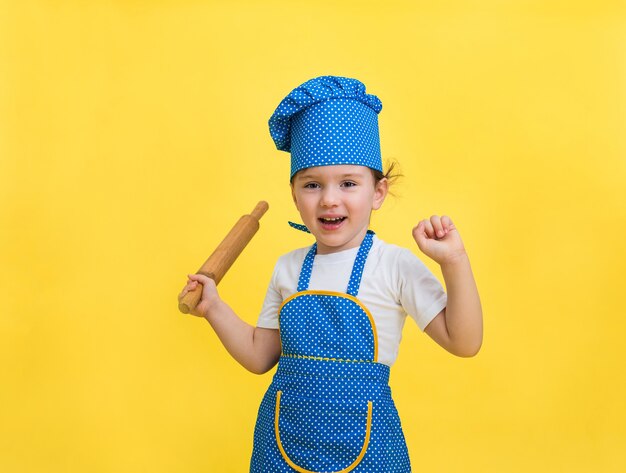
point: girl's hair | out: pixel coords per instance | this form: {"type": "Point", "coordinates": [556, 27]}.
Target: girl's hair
{"type": "Point", "coordinates": [392, 174]}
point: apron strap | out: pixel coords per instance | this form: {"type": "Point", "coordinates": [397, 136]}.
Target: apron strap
{"type": "Point", "coordinates": [307, 267]}
{"type": "Point", "coordinates": [359, 263]}
{"type": "Point", "coordinates": [357, 268]}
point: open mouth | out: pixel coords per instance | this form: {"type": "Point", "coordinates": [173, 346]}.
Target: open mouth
{"type": "Point", "coordinates": [332, 220]}
{"type": "Point", "coordinates": [331, 223]}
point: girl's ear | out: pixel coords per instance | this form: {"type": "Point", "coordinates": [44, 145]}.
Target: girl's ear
{"type": "Point", "coordinates": [380, 192]}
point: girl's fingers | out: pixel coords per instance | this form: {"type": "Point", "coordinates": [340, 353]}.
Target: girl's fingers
{"type": "Point", "coordinates": [200, 278]}
{"type": "Point", "coordinates": [418, 230]}
{"type": "Point", "coordinates": [437, 226]}
{"type": "Point", "coordinates": [429, 229]}
{"type": "Point", "coordinates": [195, 279]}
{"type": "Point", "coordinates": [434, 228]}
{"type": "Point", "coordinates": [190, 286]}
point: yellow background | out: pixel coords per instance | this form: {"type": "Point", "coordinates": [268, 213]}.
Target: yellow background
{"type": "Point", "coordinates": [134, 134]}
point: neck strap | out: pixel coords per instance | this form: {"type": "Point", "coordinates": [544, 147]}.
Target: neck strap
{"type": "Point", "coordinates": [357, 268]}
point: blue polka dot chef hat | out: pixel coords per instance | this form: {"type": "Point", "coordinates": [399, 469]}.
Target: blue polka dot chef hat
{"type": "Point", "coordinates": [328, 120]}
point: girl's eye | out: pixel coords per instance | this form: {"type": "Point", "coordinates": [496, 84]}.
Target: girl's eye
{"type": "Point", "coordinates": [311, 185]}
{"type": "Point", "coordinates": [349, 184]}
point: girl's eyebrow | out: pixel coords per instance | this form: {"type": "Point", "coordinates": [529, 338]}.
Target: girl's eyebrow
{"type": "Point", "coordinates": [306, 176]}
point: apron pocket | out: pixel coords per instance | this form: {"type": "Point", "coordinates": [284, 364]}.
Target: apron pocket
{"type": "Point", "coordinates": [322, 435]}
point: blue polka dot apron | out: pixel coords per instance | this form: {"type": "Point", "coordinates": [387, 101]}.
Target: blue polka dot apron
{"type": "Point", "coordinates": [329, 406]}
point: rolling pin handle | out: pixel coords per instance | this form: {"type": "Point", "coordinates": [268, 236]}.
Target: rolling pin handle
{"type": "Point", "coordinates": [260, 209]}
{"type": "Point", "coordinates": [225, 254]}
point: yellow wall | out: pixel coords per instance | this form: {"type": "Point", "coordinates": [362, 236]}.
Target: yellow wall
{"type": "Point", "coordinates": [133, 134]}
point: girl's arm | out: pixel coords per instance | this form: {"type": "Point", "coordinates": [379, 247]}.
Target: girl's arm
{"type": "Point", "coordinates": [459, 327]}
{"type": "Point", "coordinates": [256, 349]}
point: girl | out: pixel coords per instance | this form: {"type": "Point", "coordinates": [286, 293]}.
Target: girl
{"type": "Point", "coordinates": [334, 312]}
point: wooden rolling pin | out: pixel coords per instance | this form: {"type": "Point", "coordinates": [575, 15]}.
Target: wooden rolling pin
{"type": "Point", "coordinates": [225, 254]}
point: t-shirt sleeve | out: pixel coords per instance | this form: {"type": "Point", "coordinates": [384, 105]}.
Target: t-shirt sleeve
{"type": "Point", "coordinates": [421, 294]}
{"type": "Point", "coordinates": [268, 318]}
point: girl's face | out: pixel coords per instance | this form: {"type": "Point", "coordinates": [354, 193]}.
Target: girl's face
{"type": "Point", "coordinates": [335, 203]}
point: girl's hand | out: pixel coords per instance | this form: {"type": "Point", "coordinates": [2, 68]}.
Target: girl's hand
{"type": "Point", "coordinates": [439, 239]}
{"type": "Point", "coordinates": [209, 293]}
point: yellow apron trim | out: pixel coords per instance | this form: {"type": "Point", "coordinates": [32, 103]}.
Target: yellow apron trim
{"type": "Point", "coordinates": [337, 294]}
{"type": "Point", "coordinates": [323, 358]}
{"type": "Point", "coordinates": [358, 459]}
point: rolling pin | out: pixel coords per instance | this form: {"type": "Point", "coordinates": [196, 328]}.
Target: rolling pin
{"type": "Point", "coordinates": [225, 254]}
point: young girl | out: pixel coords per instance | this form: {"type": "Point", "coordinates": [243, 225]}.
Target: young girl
{"type": "Point", "coordinates": [334, 312]}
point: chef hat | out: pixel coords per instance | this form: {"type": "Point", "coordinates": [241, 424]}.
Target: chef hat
{"type": "Point", "coordinates": [328, 120]}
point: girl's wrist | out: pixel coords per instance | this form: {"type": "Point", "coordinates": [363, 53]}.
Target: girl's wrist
{"type": "Point", "coordinates": [456, 260]}
{"type": "Point", "coordinates": [212, 309]}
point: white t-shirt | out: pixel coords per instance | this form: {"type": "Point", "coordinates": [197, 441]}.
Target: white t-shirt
{"type": "Point", "coordinates": [395, 283]}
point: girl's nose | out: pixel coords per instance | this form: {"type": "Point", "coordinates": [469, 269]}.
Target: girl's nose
{"type": "Point", "coordinates": [330, 197]}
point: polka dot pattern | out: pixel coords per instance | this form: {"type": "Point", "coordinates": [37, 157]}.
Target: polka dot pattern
{"type": "Point", "coordinates": [347, 332]}
{"type": "Point", "coordinates": [329, 407]}
{"type": "Point", "coordinates": [359, 263]}
{"type": "Point", "coordinates": [323, 416]}
{"type": "Point", "coordinates": [328, 120]}
{"type": "Point", "coordinates": [357, 270]}
{"type": "Point", "coordinates": [299, 226]}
